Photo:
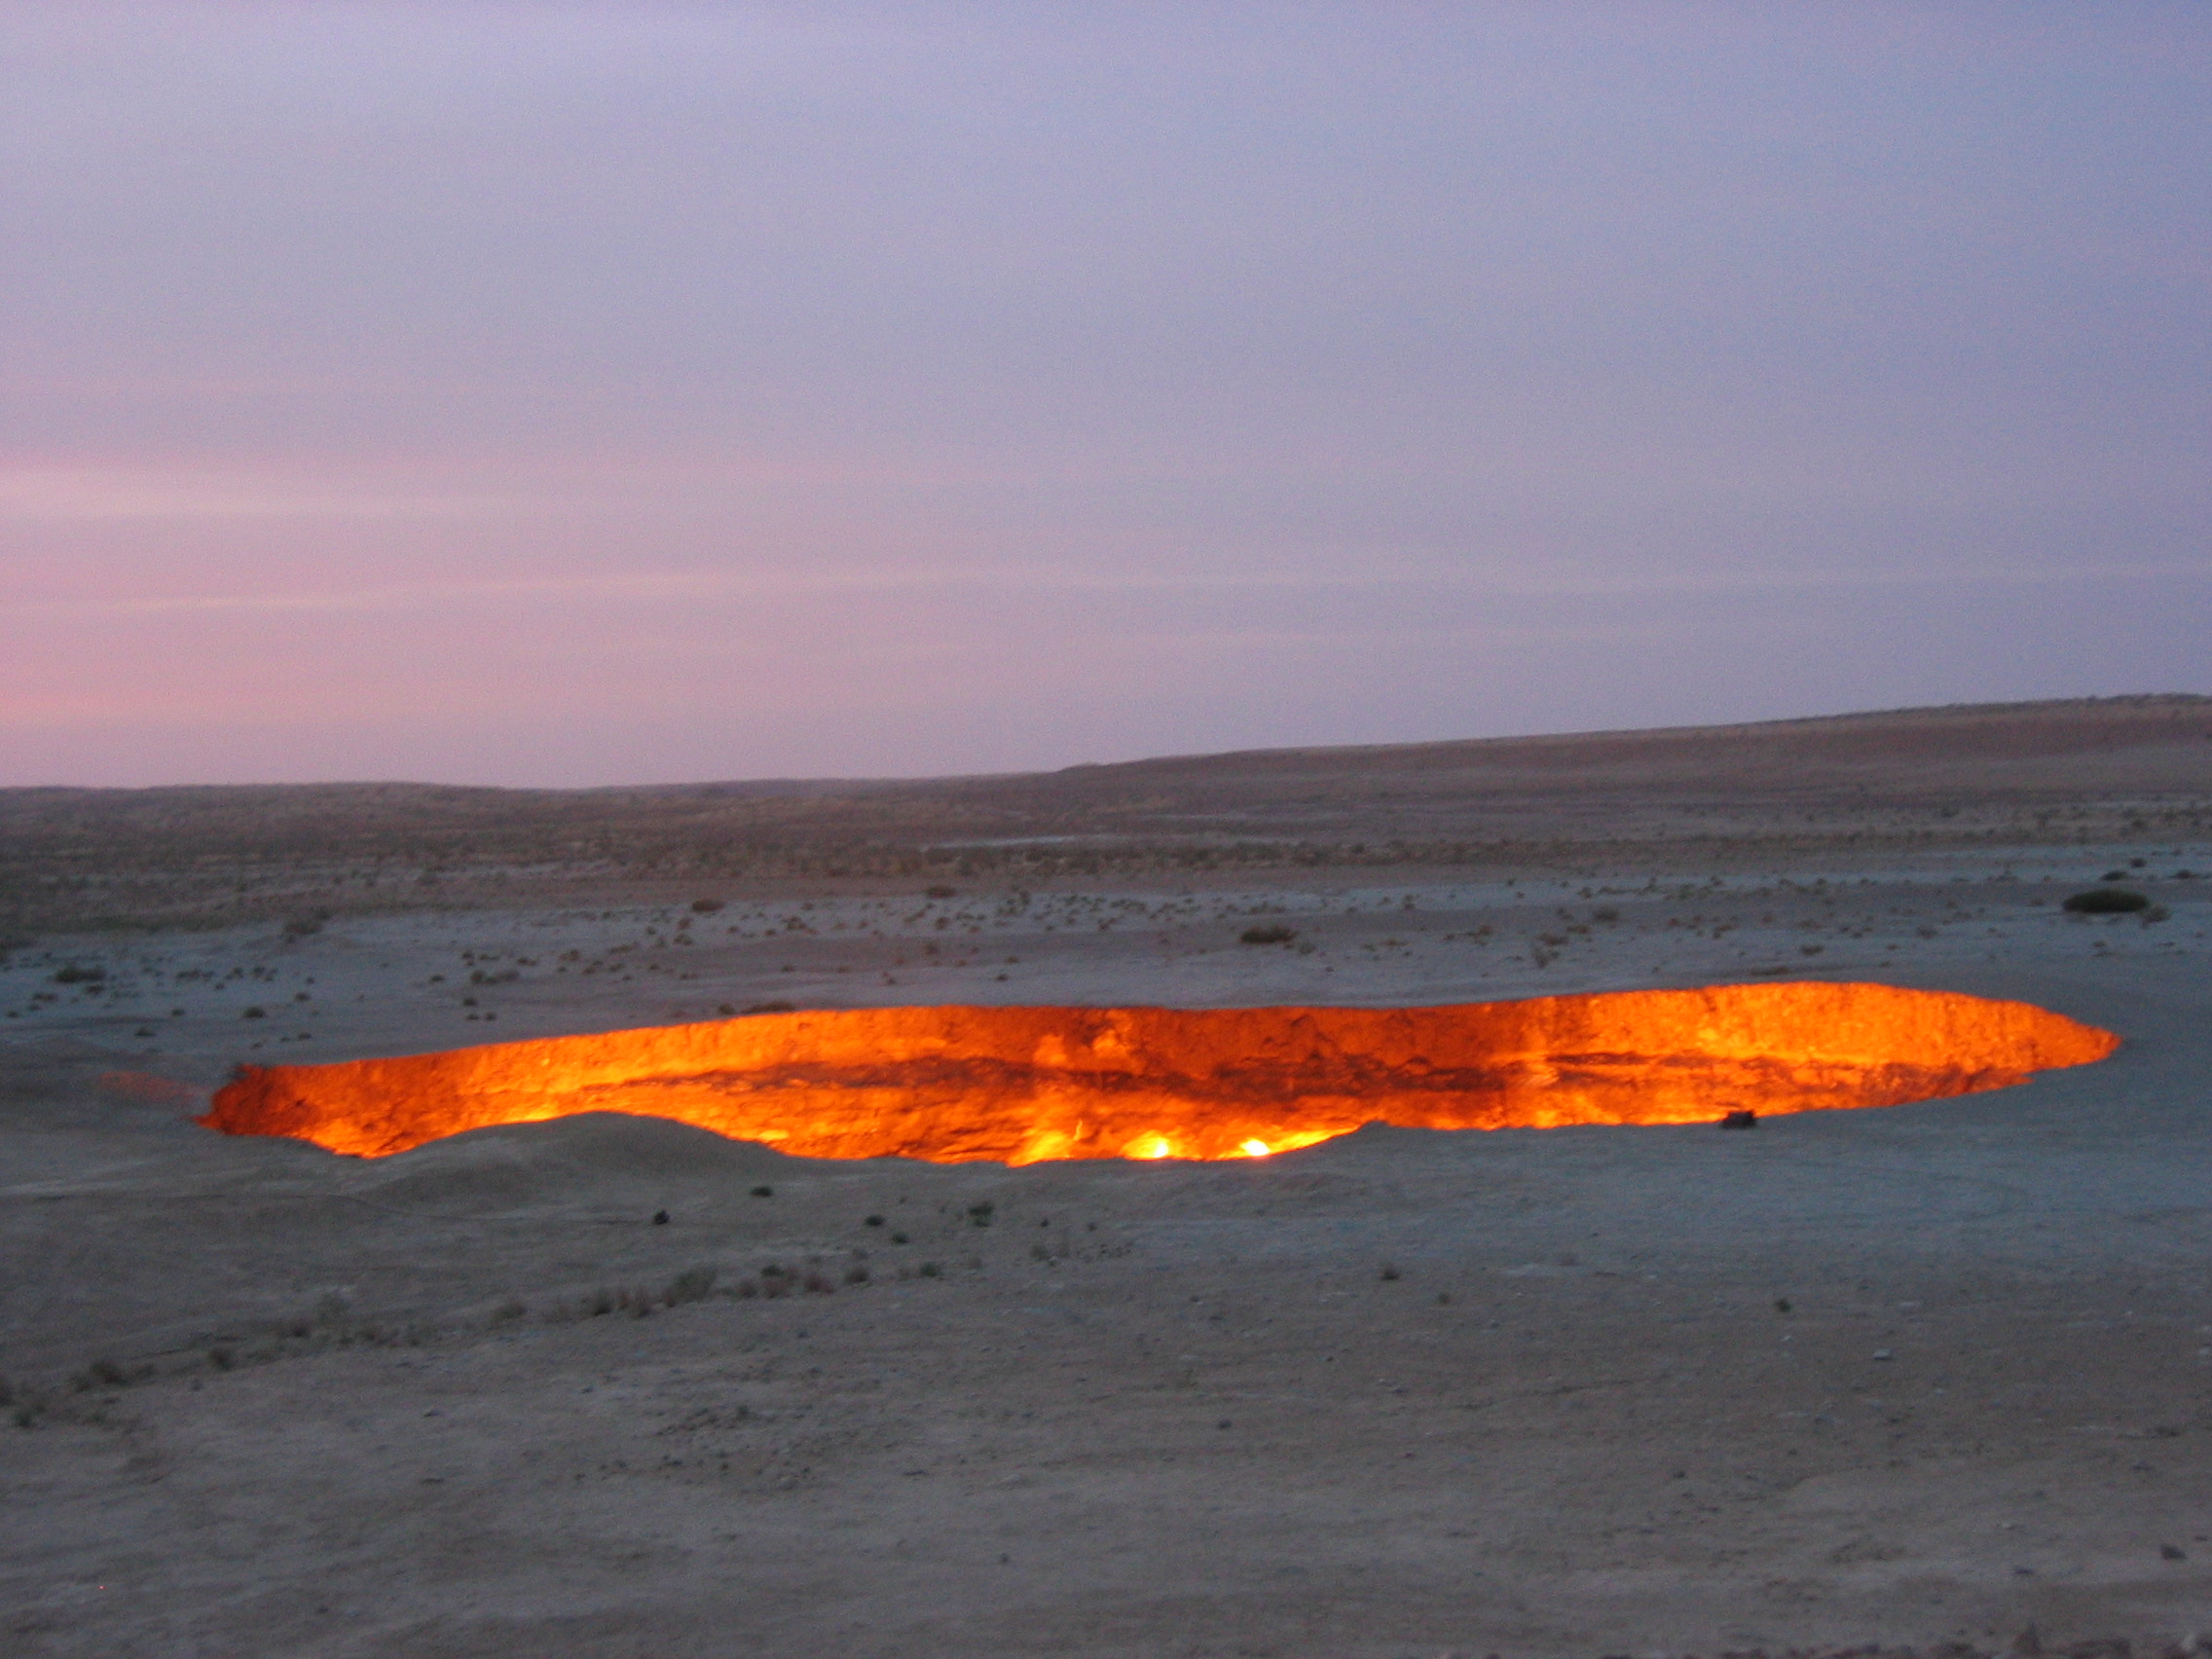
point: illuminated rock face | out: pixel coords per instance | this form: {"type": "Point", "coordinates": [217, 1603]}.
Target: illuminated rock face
{"type": "Point", "coordinates": [1020, 1085]}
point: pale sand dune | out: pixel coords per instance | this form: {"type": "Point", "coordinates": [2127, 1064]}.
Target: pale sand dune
{"type": "Point", "coordinates": [1148, 1409]}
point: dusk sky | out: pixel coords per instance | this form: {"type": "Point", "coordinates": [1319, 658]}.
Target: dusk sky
{"type": "Point", "coordinates": [567, 393]}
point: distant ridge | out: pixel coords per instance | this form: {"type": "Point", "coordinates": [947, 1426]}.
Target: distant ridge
{"type": "Point", "coordinates": [2049, 723]}
{"type": "Point", "coordinates": [2072, 770]}
{"type": "Point", "coordinates": [2050, 718]}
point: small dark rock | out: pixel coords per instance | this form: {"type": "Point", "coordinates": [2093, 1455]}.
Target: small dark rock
{"type": "Point", "coordinates": [1743, 1120]}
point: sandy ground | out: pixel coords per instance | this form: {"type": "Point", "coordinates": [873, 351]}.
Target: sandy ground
{"type": "Point", "coordinates": [1934, 1373]}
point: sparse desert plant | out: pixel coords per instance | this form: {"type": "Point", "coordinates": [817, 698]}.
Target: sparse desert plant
{"type": "Point", "coordinates": [1268, 932]}
{"type": "Point", "coordinates": [857, 1273]}
{"type": "Point", "coordinates": [100, 1374]}
{"type": "Point", "coordinates": [705, 907]}
{"type": "Point", "coordinates": [2107, 901]}
{"type": "Point", "coordinates": [1389, 1271]}
{"type": "Point", "coordinates": [692, 1284]}
{"type": "Point", "coordinates": [73, 974]}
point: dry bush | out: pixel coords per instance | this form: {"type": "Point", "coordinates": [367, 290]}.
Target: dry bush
{"type": "Point", "coordinates": [2107, 901]}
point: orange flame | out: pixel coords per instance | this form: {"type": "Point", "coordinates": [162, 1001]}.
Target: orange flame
{"type": "Point", "coordinates": [1022, 1084]}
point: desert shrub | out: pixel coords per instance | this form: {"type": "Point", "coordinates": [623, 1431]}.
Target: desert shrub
{"type": "Point", "coordinates": [940, 891]}
{"type": "Point", "coordinates": [2107, 901]}
{"type": "Point", "coordinates": [705, 907]}
{"type": "Point", "coordinates": [73, 974]}
{"type": "Point", "coordinates": [769, 1008]}
{"type": "Point", "coordinates": [1268, 932]}
{"type": "Point", "coordinates": [101, 1374]}
{"type": "Point", "coordinates": [257, 1011]}
{"type": "Point", "coordinates": [764, 1191]}
{"type": "Point", "coordinates": [304, 925]}
{"type": "Point", "coordinates": [692, 1284]}
{"type": "Point", "coordinates": [930, 1270]}
{"type": "Point", "coordinates": [979, 1215]}
{"type": "Point", "coordinates": [857, 1273]}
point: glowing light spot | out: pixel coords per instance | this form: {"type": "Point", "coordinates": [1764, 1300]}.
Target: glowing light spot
{"type": "Point", "coordinates": [1255, 1149]}
{"type": "Point", "coordinates": [1150, 1146]}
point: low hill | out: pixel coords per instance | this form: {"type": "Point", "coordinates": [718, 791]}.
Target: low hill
{"type": "Point", "coordinates": [2084, 768]}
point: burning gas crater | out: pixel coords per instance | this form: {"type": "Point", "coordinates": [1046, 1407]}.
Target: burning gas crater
{"type": "Point", "coordinates": [1023, 1084]}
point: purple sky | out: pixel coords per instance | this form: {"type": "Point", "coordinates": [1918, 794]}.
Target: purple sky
{"type": "Point", "coordinates": [543, 394]}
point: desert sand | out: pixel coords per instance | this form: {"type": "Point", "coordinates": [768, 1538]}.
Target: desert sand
{"type": "Point", "coordinates": [1938, 1373]}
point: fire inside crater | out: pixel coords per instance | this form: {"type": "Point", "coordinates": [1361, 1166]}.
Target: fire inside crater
{"type": "Point", "coordinates": [1025, 1084]}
